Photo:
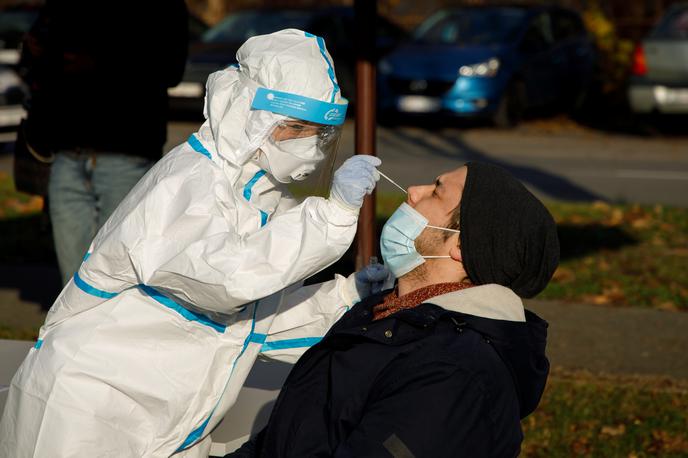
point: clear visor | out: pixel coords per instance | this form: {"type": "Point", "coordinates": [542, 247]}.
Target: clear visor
{"type": "Point", "coordinates": [305, 152]}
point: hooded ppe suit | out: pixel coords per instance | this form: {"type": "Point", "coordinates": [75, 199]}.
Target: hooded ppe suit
{"type": "Point", "coordinates": [146, 348]}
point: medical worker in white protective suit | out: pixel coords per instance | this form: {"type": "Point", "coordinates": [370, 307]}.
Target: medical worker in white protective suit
{"type": "Point", "coordinates": [146, 348]}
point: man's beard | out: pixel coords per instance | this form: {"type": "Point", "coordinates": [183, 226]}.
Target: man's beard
{"type": "Point", "coordinates": [427, 244]}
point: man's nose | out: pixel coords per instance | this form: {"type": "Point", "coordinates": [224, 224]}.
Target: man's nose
{"type": "Point", "coordinates": [416, 193]}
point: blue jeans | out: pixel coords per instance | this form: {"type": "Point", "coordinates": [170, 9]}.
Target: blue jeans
{"type": "Point", "coordinates": [84, 190]}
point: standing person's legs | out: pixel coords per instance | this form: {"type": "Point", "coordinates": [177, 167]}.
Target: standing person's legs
{"type": "Point", "coordinates": [72, 210]}
{"type": "Point", "coordinates": [113, 177]}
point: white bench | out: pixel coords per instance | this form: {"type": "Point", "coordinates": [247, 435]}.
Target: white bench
{"type": "Point", "coordinates": [246, 417]}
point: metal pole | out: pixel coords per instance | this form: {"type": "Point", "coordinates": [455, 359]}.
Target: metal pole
{"type": "Point", "coordinates": [366, 13]}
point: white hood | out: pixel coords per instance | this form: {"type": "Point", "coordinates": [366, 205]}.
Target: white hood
{"type": "Point", "coordinates": [290, 61]}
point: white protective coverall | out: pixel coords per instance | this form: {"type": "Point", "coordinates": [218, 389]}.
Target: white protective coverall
{"type": "Point", "coordinates": [146, 348]}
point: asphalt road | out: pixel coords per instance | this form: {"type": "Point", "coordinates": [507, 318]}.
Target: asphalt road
{"type": "Point", "coordinates": [567, 163]}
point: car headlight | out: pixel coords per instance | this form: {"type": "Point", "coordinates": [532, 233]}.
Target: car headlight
{"type": "Point", "coordinates": [384, 67]}
{"type": "Point", "coordinates": [486, 69]}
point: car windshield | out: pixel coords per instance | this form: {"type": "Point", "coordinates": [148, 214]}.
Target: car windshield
{"type": "Point", "coordinates": [674, 25]}
{"type": "Point", "coordinates": [470, 27]}
{"type": "Point", "coordinates": [243, 25]}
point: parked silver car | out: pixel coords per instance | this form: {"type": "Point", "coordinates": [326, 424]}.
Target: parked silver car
{"type": "Point", "coordinates": [659, 81]}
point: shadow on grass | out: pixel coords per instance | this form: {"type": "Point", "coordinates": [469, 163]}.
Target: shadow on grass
{"type": "Point", "coordinates": [27, 259]}
{"type": "Point", "coordinates": [577, 241]}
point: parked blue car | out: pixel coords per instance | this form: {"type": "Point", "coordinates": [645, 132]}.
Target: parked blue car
{"type": "Point", "coordinates": [493, 62]}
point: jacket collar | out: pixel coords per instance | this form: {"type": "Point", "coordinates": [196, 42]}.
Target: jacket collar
{"type": "Point", "coordinates": [491, 301]}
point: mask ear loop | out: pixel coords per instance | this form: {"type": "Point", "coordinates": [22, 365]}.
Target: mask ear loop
{"type": "Point", "coordinates": [441, 229]}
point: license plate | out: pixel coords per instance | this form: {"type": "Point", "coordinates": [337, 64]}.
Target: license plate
{"type": "Point", "coordinates": [418, 104]}
{"type": "Point", "coordinates": [669, 96]}
{"type": "Point", "coordinates": [186, 90]}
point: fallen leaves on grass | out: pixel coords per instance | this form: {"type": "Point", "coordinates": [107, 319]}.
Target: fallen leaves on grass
{"type": "Point", "coordinates": [563, 275]}
{"type": "Point", "coordinates": [665, 442]}
{"type": "Point", "coordinates": [604, 415]}
{"type": "Point", "coordinates": [16, 207]}
{"type": "Point", "coordinates": [613, 431]}
{"type": "Point", "coordinates": [13, 203]}
{"type": "Point", "coordinates": [621, 255]}
{"type": "Point", "coordinates": [613, 294]}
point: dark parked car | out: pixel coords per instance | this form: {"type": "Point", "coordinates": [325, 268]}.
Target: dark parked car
{"type": "Point", "coordinates": [492, 62]}
{"type": "Point", "coordinates": [660, 69]}
{"type": "Point", "coordinates": [218, 46]}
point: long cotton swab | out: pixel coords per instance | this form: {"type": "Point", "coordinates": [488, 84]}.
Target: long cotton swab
{"type": "Point", "coordinates": [392, 181]}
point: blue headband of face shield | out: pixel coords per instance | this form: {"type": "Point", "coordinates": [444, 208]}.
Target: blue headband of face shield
{"type": "Point", "coordinates": [300, 107]}
{"type": "Point", "coordinates": [397, 240]}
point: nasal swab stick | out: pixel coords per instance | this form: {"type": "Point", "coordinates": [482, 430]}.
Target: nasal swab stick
{"type": "Point", "coordinates": [392, 181]}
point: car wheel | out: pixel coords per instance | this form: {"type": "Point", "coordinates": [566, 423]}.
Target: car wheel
{"type": "Point", "coordinates": [511, 106]}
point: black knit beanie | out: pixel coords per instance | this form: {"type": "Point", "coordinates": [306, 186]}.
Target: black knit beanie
{"type": "Point", "coordinates": [507, 236]}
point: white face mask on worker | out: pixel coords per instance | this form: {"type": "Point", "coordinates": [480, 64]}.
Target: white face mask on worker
{"type": "Point", "coordinates": [290, 160]}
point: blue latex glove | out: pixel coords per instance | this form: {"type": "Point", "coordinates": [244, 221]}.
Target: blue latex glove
{"type": "Point", "coordinates": [372, 279]}
{"type": "Point", "coordinates": [355, 178]}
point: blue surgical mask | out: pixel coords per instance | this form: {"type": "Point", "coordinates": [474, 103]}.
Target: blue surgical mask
{"type": "Point", "coordinates": [397, 240]}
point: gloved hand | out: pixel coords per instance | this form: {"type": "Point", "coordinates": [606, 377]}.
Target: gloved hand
{"type": "Point", "coordinates": [370, 280]}
{"type": "Point", "coordinates": [355, 178]}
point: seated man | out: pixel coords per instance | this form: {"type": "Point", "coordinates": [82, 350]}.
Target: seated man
{"type": "Point", "coordinates": [446, 364]}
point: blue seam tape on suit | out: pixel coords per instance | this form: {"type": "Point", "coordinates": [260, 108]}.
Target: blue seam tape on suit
{"type": "Point", "coordinates": [198, 146]}
{"type": "Point", "coordinates": [183, 311]}
{"type": "Point", "coordinates": [248, 189]}
{"type": "Point", "coordinates": [196, 433]}
{"type": "Point", "coordinates": [330, 70]}
{"type": "Point", "coordinates": [290, 343]}
{"type": "Point", "coordinates": [158, 297]}
{"type": "Point", "coordinates": [88, 289]}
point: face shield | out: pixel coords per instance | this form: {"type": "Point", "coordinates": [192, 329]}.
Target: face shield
{"type": "Point", "coordinates": [296, 150]}
{"type": "Point", "coordinates": [303, 144]}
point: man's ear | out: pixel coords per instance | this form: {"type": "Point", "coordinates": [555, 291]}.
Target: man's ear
{"type": "Point", "coordinates": [455, 250]}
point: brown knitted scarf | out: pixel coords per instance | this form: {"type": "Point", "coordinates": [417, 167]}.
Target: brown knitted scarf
{"type": "Point", "coordinates": [393, 303]}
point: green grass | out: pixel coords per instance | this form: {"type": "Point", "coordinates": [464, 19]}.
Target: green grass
{"type": "Point", "coordinates": [25, 235]}
{"type": "Point", "coordinates": [13, 203]}
{"type": "Point", "coordinates": [585, 415]}
{"type": "Point", "coordinates": [621, 255]}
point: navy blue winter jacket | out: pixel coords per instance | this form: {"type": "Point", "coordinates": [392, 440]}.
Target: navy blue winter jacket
{"type": "Point", "coordinates": [424, 382]}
